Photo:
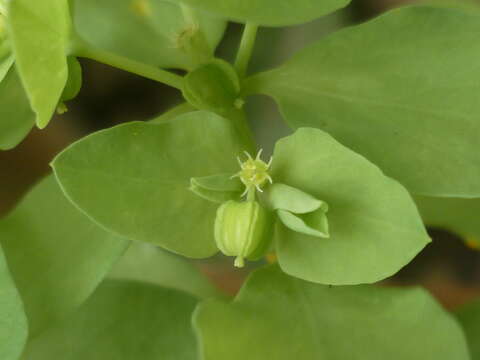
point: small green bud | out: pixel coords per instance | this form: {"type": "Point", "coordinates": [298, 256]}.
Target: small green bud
{"type": "Point", "coordinates": [243, 229]}
{"type": "Point", "coordinates": [213, 86]}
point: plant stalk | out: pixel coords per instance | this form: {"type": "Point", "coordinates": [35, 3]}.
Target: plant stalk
{"type": "Point", "coordinates": [85, 50]}
{"type": "Point", "coordinates": [246, 49]}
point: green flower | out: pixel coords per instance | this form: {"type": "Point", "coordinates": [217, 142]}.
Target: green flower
{"type": "Point", "coordinates": [243, 223]}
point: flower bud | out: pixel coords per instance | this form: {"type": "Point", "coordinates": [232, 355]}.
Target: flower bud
{"type": "Point", "coordinates": [243, 229]}
{"type": "Point", "coordinates": [213, 86]}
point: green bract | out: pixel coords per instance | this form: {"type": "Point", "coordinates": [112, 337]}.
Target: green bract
{"type": "Point", "coordinates": [299, 211]}
{"type": "Point", "coordinates": [268, 12]}
{"type": "Point", "coordinates": [40, 33]}
{"type": "Point", "coordinates": [56, 255]}
{"type": "Point", "coordinates": [374, 226]}
{"type": "Point", "coordinates": [217, 188]}
{"type": "Point", "coordinates": [372, 219]}
{"type": "Point", "coordinates": [278, 317]}
{"type": "Point", "coordinates": [155, 32]}
{"type": "Point", "coordinates": [400, 89]}
{"type": "Point", "coordinates": [149, 200]}
{"type": "Point", "coordinates": [13, 323]}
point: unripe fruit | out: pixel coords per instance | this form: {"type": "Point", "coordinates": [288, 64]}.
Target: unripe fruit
{"type": "Point", "coordinates": [243, 229]}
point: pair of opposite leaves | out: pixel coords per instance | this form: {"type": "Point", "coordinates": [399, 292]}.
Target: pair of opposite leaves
{"type": "Point", "coordinates": [422, 126]}
{"type": "Point", "coordinates": [374, 225]}
{"type": "Point", "coordinates": [41, 71]}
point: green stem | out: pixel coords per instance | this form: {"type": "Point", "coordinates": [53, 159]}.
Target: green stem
{"type": "Point", "coordinates": [239, 119]}
{"type": "Point", "coordinates": [83, 49]}
{"type": "Point", "coordinates": [246, 49]}
{"type": "Point", "coordinates": [251, 194]}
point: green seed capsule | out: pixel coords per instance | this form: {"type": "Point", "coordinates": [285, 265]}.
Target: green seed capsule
{"type": "Point", "coordinates": [243, 229]}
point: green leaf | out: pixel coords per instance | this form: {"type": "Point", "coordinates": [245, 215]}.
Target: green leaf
{"type": "Point", "coordinates": [313, 224]}
{"type": "Point", "coordinates": [16, 116]}
{"type": "Point", "coordinates": [13, 322]}
{"type": "Point", "coordinates": [150, 31]}
{"type": "Point", "coordinates": [56, 255]}
{"type": "Point", "coordinates": [123, 321]}
{"type": "Point", "coordinates": [149, 200]}
{"type": "Point", "coordinates": [39, 32]}
{"type": "Point", "coordinates": [217, 188]}
{"type": "Point", "coordinates": [454, 214]}
{"type": "Point", "coordinates": [268, 12]}
{"type": "Point", "coordinates": [284, 197]}
{"type": "Point", "coordinates": [469, 317]}
{"type": "Point", "coordinates": [374, 225]}
{"type": "Point", "coordinates": [401, 90]}
{"type": "Point", "coordinates": [282, 318]}
{"type": "Point", "coordinates": [147, 263]}
{"type": "Point", "coordinates": [173, 113]}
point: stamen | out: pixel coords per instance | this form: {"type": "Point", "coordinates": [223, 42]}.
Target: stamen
{"type": "Point", "coordinates": [249, 156]}
{"type": "Point", "coordinates": [258, 155]}
{"type": "Point", "coordinates": [269, 162]}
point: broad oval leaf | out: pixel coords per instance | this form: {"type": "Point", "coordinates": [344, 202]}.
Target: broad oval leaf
{"type": "Point", "coordinates": [57, 256]}
{"type": "Point", "coordinates": [401, 90]}
{"type": "Point", "coordinates": [278, 317]}
{"type": "Point", "coordinates": [123, 321]}
{"type": "Point", "coordinates": [469, 317]}
{"type": "Point", "coordinates": [145, 30]}
{"type": "Point", "coordinates": [39, 32]}
{"type": "Point", "coordinates": [460, 216]}
{"type": "Point", "coordinates": [268, 12]}
{"type": "Point", "coordinates": [16, 115]}
{"type": "Point", "coordinates": [375, 228]}
{"type": "Point", "coordinates": [141, 174]}
{"type": "Point", "coordinates": [13, 322]}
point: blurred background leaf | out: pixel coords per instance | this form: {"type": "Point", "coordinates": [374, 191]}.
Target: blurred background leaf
{"type": "Point", "coordinates": [56, 255]}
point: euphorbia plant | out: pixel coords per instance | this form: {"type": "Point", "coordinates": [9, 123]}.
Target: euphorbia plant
{"type": "Point", "coordinates": [379, 112]}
